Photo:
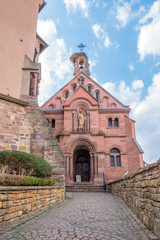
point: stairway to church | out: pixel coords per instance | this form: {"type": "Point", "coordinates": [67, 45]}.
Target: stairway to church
{"type": "Point", "coordinates": [84, 188]}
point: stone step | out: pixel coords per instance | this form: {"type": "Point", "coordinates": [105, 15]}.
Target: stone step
{"type": "Point", "coordinates": [84, 188]}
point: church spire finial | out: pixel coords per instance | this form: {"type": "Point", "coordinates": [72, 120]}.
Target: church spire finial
{"type": "Point", "coordinates": [81, 46]}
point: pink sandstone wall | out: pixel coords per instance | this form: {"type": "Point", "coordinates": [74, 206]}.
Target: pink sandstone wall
{"type": "Point", "coordinates": [69, 87]}
{"type": "Point", "coordinates": [96, 135]}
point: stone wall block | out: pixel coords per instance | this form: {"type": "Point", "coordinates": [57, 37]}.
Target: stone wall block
{"type": "Point", "coordinates": [10, 216]}
{"type": "Point", "coordinates": [33, 200]}
{"type": "Point", "coordinates": [142, 194]}
{"type": "Point", "coordinates": [157, 226]}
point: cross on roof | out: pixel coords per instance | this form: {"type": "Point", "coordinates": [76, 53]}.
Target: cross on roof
{"type": "Point", "coordinates": [81, 46]}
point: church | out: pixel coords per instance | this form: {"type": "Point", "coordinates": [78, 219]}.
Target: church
{"type": "Point", "coordinates": [93, 129]}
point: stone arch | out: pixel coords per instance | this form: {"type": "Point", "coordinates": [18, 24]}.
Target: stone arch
{"type": "Point", "coordinates": [80, 105]}
{"type": "Point", "coordinates": [81, 141]}
{"type": "Point", "coordinates": [58, 103]}
{"type": "Point", "coordinates": [114, 146]}
{"type": "Point", "coordinates": [80, 99]}
{"type": "Point", "coordinates": [105, 102]}
{"type": "Point", "coordinates": [113, 105]}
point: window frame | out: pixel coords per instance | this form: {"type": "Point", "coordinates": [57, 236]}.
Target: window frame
{"type": "Point", "coordinates": [115, 157]}
{"type": "Point", "coordinates": [53, 125]}
{"type": "Point", "coordinates": [116, 122]}
{"type": "Point", "coordinates": [66, 94]}
{"type": "Point", "coordinates": [110, 125]}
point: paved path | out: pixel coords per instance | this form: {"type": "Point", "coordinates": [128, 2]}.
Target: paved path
{"type": "Point", "coordinates": [85, 216]}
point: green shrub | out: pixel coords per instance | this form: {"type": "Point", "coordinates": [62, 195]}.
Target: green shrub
{"type": "Point", "coordinates": [11, 180]}
{"type": "Point", "coordinates": [17, 180]}
{"type": "Point", "coordinates": [33, 181]}
{"type": "Point", "coordinates": [19, 162]}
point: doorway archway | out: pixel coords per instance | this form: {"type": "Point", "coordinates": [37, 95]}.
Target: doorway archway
{"type": "Point", "coordinates": [81, 160]}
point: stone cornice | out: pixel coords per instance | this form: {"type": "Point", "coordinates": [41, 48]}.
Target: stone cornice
{"type": "Point", "coordinates": [13, 100]}
{"type": "Point", "coordinates": [20, 188]}
{"type": "Point", "coordinates": [52, 111]}
{"type": "Point", "coordinates": [114, 110]}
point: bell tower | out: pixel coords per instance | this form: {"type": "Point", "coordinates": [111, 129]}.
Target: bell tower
{"type": "Point", "coordinates": [80, 62]}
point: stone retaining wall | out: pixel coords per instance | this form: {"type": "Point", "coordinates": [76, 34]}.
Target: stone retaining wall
{"type": "Point", "coordinates": [19, 120]}
{"type": "Point", "coordinates": [18, 202]}
{"type": "Point", "coordinates": [141, 192]}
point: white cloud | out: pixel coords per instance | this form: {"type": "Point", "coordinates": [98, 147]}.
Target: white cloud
{"type": "Point", "coordinates": [55, 61]}
{"type": "Point", "coordinates": [107, 42]}
{"type": "Point", "coordinates": [124, 93]}
{"type": "Point", "coordinates": [131, 66]}
{"type": "Point", "coordinates": [157, 64]}
{"type": "Point", "coordinates": [146, 112]}
{"type": "Point", "coordinates": [74, 5]}
{"type": "Point", "coordinates": [148, 40]}
{"type": "Point", "coordinates": [47, 29]}
{"type": "Point", "coordinates": [153, 13]}
{"type": "Point", "coordinates": [98, 30]}
{"type": "Point", "coordinates": [101, 34]}
{"type": "Point", "coordinates": [123, 13]}
{"type": "Point", "coordinates": [137, 84]}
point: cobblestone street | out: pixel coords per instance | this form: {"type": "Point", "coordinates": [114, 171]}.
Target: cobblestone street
{"type": "Point", "coordinates": [84, 216]}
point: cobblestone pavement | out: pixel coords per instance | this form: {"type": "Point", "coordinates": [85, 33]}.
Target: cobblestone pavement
{"type": "Point", "coordinates": [84, 216]}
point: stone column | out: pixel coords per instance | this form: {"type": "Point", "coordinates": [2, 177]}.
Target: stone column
{"type": "Point", "coordinates": [91, 167]}
{"type": "Point", "coordinates": [67, 167]}
{"type": "Point", "coordinates": [96, 164]}
{"type": "Point", "coordinates": [71, 167]}
{"type": "Point", "coordinates": [89, 120]}
{"type": "Point", "coordinates": [72, 122]}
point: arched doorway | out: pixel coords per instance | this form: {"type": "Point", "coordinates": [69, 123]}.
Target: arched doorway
{"type": "Point", "coordinates": [81, 160]}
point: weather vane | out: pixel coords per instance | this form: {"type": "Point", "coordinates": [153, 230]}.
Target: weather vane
{"type": "Point", "coordinates": [81, 46]}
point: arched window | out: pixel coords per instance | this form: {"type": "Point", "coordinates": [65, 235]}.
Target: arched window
{"type": "Point", "coordinates": [113, 105]}
{"type": "Point", "coordinates": [89, 88]}
{"type": "Point", "coordinates": [50, 106]}
{"type": "Point", "coordinates": [53, 123]}
{"type": "Point", "coordinates": [81, 64]}
{"type": "Point", "coordinates": [66, 94]}
{"type": "Point", "coordinates": [97, 95]}
{"type": "Point", "coordinates": [116, 122]}
{"type": "Point", "coordinates": [115, 158]}
{"type": "Point", "coordinates": [110, 122]}
{"type": "Point", "coordinates": [112, 163]}
{"type": "Point", "coordinates": [74, 87]}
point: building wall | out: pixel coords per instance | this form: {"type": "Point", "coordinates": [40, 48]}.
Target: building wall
{"type": "Point", "coordinates": [96, 135]}
{"type": "Point", "coordinates": [105, 138]}
{"type": "Point", "coordinates": [141, 192]}
{"type": "Point", "coordinates": [18, 23]}
{"type": "Point", "coordinates": [18, 120]}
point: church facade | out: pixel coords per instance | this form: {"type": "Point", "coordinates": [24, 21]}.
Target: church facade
{"type": "Point", "coordinates": [93, 128]}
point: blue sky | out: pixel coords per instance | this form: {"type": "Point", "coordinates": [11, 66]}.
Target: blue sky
{"type": "Point", "coordinates": [123, 47]}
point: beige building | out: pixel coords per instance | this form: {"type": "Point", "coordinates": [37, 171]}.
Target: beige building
{"type": "Point", "coordinates": [20, 47]}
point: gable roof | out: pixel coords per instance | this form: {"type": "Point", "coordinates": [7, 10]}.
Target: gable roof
{"type": "Point", "coordinates": [138, 146]}
{"type": "Point", "coordinates": [79, 73]}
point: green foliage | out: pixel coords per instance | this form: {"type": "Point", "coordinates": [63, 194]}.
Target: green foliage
{"type": "Point", "coordinates": [11, 180]}
{"type": "Point", "coordinates": [33, 181]}
{"type": "Point", "coordinates": [22, 163]}
{"type": "Point", "coordinates": [17, 180]}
